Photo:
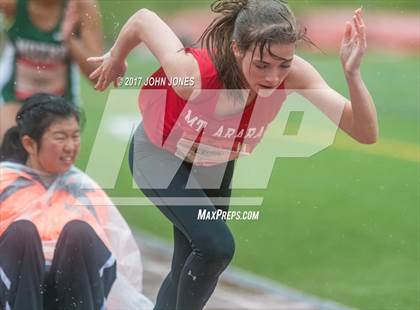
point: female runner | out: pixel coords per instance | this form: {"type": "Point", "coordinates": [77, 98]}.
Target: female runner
{"type": "Point", "coordinates": [182, 155]}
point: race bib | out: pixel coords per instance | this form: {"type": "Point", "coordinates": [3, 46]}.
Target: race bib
{"type": "Point", "coordinates": [34, 77]}
{"type": "Point", "coordinates": [207, 155]}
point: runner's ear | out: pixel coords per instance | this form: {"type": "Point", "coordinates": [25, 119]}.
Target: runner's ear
{"type": "Point", "coordinates": [235, 49]}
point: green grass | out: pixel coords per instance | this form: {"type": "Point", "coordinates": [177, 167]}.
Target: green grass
{"type": "Point", "coordinates": [338, 226]}
{"type": "Point", "coordinates": [342, 224]}
{"type": "Point", "coordinates": [116, 12]}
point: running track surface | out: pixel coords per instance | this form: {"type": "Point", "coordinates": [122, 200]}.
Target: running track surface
{"type": "Point", "coordinates": [236, 289]}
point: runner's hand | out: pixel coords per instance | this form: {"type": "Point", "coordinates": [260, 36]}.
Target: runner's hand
{"type": "Point", "coordinates": [354, 44]}
{"type": "Point", "coordinates": [110, 70]}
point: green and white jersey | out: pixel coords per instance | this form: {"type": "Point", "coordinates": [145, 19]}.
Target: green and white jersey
{"type": "Point", "coordinates": [36, 61]}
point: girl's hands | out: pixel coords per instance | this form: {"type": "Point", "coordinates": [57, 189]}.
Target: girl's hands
{"type": "Point", "coordinates": [110, 70]}
{"type": "Point", "coordinates": [354, 44]}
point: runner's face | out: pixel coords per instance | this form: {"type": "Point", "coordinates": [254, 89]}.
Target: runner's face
{"type": "Point", "coordinates": [265, 74]}
{"type": "Point", "coordinates": [59, 148]}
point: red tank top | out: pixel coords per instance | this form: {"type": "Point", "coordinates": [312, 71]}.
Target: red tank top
{"type": "Point", "coordinates": [183, 128]}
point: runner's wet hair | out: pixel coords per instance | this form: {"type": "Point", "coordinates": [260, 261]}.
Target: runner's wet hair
{"type": "Point", "coordinates": [251, 24]}
{"type": "Point", "coordinates": [36, 115]}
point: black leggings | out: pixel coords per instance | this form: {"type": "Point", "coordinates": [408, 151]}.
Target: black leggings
{"type": "Point", "coordinates": [81, 274]}
{"type": "Point", "coordinates": [202, 248]}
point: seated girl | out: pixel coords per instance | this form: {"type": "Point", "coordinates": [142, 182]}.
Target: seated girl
{"type": "Point", "coordinates": [54, 218]}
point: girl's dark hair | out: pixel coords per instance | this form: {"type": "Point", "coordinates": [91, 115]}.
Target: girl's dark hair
{"type": "Point", "coordinates": [251, 24]}
{"type": "Point", "coordinates": [35, 116]}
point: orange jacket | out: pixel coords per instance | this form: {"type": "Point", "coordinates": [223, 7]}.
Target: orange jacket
{"type": "Point", "coordinates": [51, 203]}
{"type": "Point", "coordinates": [26, 194]}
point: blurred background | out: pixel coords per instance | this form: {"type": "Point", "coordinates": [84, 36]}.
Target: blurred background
{"type": "Point", "coordinates": [343, 224]}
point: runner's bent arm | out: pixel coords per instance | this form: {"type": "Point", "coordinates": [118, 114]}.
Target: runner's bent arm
{"type": "Point", "coordinates": [358, 117]}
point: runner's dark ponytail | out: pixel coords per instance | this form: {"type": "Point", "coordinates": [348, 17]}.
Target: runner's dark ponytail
{"type": "Point", "coordinates": [34, 117]}
{"type": "Point", "coordinates": [217, 38]}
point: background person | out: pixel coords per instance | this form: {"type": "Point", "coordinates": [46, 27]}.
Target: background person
{"type": "Point", "coordinates": [47, 42]}
{"type": "Point", "coordinates": [55, 218]}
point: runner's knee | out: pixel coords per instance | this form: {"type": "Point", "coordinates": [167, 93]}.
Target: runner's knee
{"type": "Point", "coordinates": [214, 248]}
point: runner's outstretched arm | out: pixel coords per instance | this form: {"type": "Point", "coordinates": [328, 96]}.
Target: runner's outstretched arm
{"type": "Point", "coordinates": [147, 27]}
